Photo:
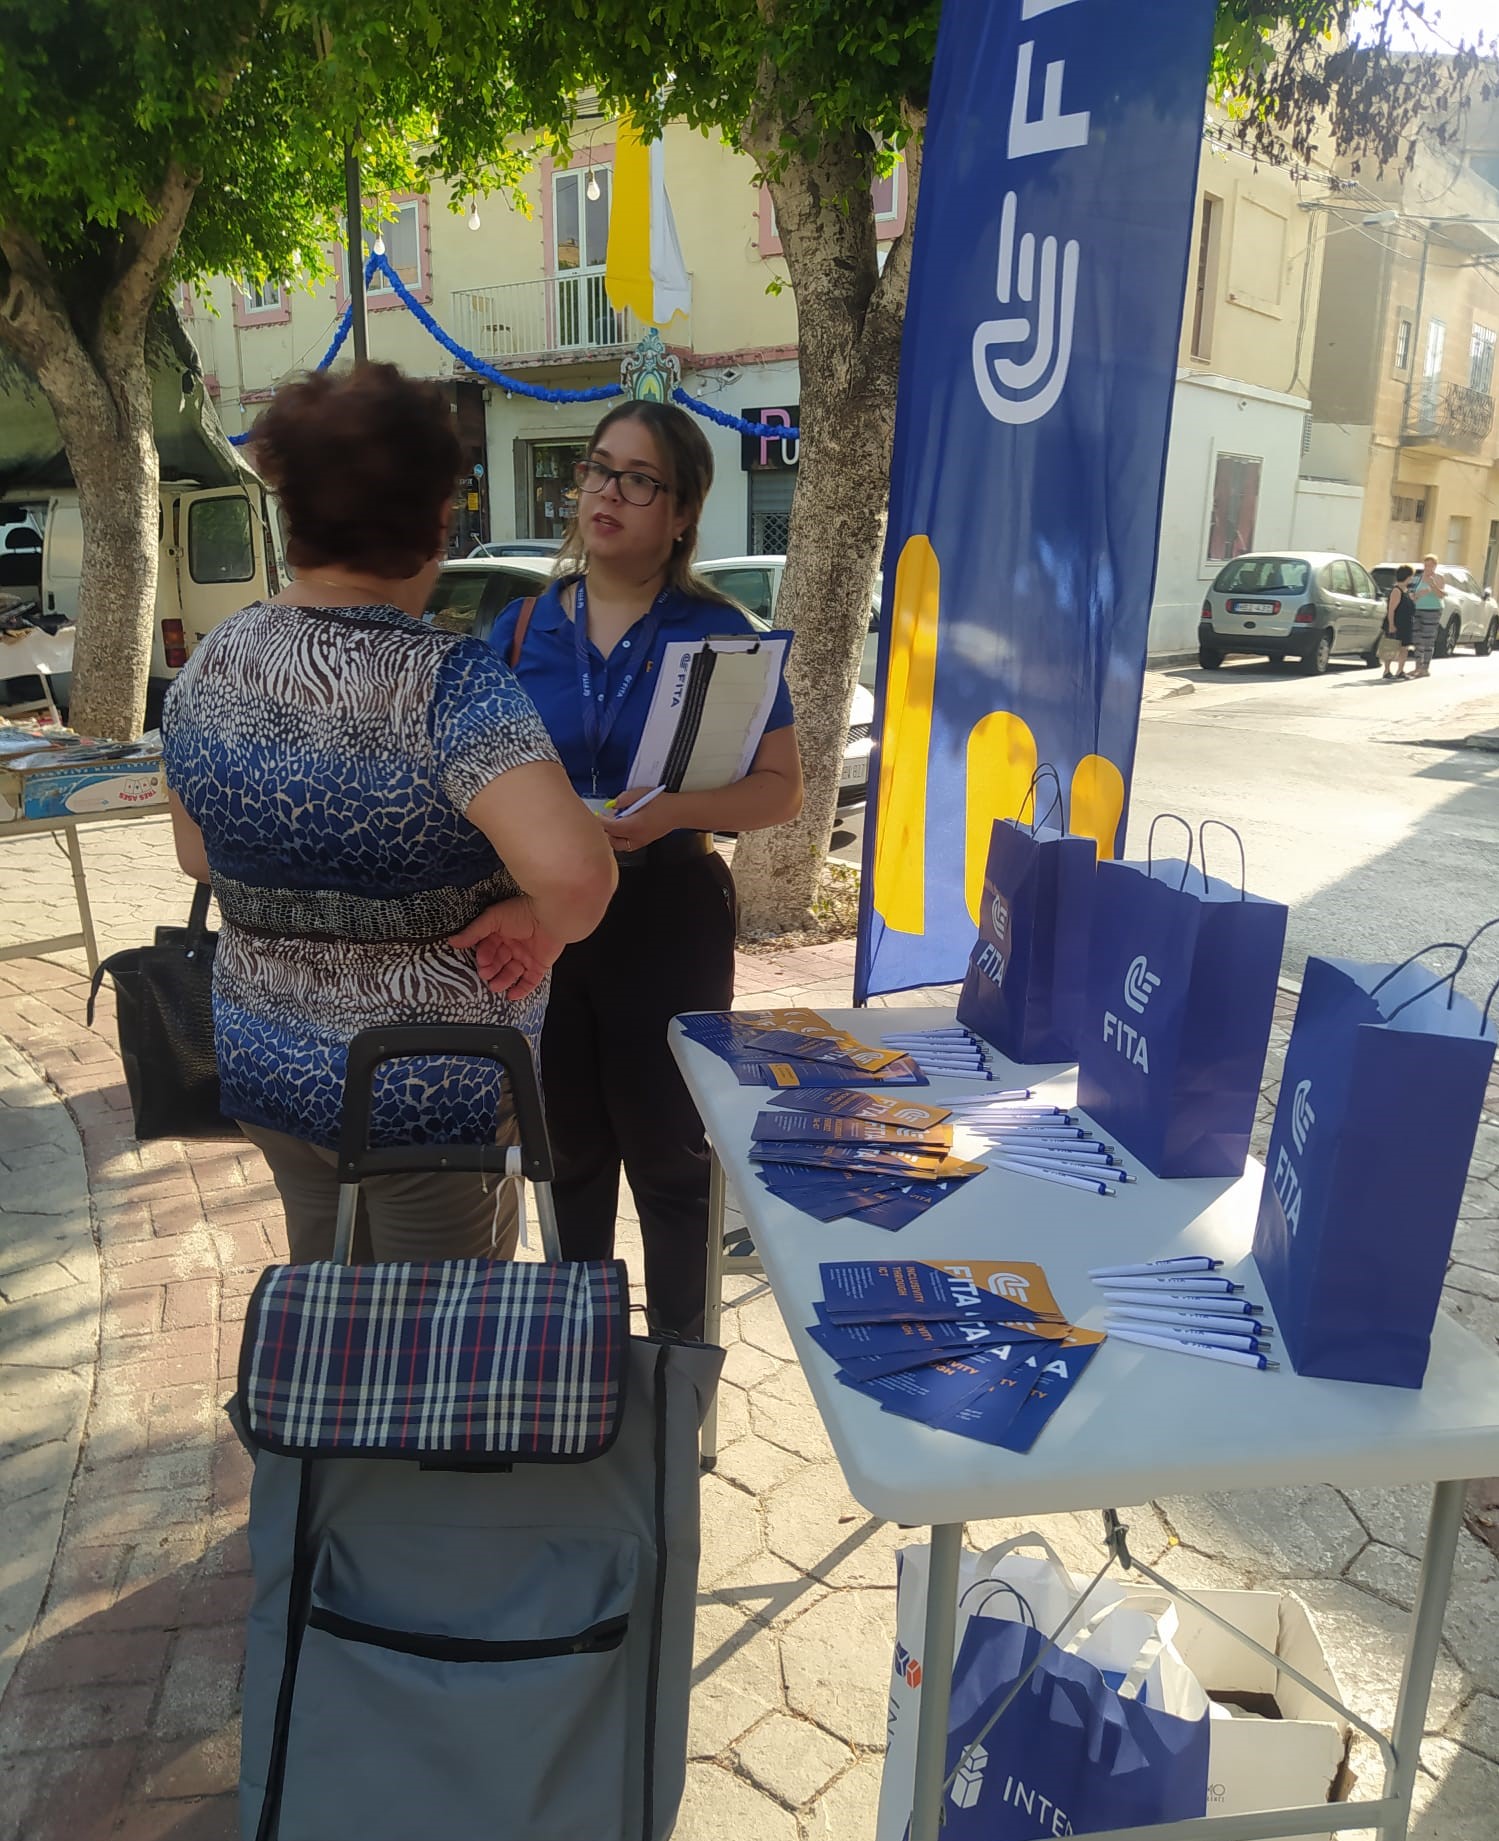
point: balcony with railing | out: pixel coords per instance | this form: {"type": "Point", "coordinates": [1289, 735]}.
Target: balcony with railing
{"type": "Point", "coordinates": [1450, 416]}
{"type": "Point", "coordinates": [561, 318]}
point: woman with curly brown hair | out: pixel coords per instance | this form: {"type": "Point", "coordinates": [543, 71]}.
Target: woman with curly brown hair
{"type": "Point", "coordinates": [359, 789]}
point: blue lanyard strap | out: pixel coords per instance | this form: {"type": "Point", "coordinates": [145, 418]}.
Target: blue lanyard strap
{"type": "Point", "coordinates": [600, 713]}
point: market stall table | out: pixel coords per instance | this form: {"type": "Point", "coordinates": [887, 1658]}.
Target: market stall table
{"type": "Point", "coordinates": [1139, 1424]}
{"type": "Point", "coordinates": [67, 828]}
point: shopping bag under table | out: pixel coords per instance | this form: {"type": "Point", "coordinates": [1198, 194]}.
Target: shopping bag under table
{"type": "Point", "coordinates": [1379, 1106]}
{"type": "Point", "coordinates": [1110, 1730]}
{"type": "Point", "coordinates": [1026, 985]}
{"type": "Point", "coordinates": [1182, 970]}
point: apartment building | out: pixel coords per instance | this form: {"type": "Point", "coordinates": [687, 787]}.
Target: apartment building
{"type": "Point", "coordinates": [1242, 387]}
{"type": "Point", "coordinates": [1404, 369]}
{"type": "Point", "coordinates": [523, 290]}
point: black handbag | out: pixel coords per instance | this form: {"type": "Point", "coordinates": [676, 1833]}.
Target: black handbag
{"type": "Point", "coordinates": [164, 1010]}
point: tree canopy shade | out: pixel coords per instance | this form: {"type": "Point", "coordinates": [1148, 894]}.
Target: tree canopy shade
{"type": "Point", "coordinates": [142, 142]}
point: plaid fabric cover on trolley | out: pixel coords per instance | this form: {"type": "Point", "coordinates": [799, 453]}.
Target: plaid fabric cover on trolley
{"type": "Point", "coordinates": [470, 1359]}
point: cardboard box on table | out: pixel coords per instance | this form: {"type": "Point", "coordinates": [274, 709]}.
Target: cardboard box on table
{"type": "Point", "coordinates": [34, 787]}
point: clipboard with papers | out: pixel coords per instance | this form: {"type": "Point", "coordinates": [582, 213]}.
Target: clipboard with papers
{"type": "Point", "coordinates": [712, 700]}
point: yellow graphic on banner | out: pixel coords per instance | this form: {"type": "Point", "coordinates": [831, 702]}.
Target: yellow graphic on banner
{"type": "Point", "coordinates": [1097, 803]}
{"type": "Point", "coordinates": [1002, 756]}
{"type": "Point", "coordinates": [1001, 763]}
{"type": "Point", "coordinates": [906, 741]}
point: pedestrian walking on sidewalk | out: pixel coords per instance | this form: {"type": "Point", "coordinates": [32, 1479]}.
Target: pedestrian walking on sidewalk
{"type": "Point", "coordinates": [1399, 619]}
{"type": "Point", "coordinates": [360, 787]}
{"type": "Point", "coordinates": [1427, 591]}
{"type": "Point", "coordinates": [587, 651]}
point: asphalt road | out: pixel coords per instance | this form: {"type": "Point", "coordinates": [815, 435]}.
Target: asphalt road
{"type": "Point", "coordinates": [1379, 842]}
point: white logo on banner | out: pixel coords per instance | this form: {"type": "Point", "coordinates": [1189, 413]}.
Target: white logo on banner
{"type": "Point", "coordinates": [1140, 984]}
{"type": "Point", "coordinates": [1302, 1116]}
{"type": "Point", "coordinates": [1043, 298]}
{"type": "Point", "coordinates": [968, 1779]}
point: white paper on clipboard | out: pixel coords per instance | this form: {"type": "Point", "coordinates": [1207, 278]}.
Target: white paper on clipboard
{"type": "Point", "coordinates": [712, 700]}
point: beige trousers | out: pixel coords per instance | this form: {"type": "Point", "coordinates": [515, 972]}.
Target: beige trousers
{"type": "Point", "coordinates": [417, 1217]}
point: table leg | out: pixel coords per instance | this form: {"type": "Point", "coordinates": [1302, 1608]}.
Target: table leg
{"type": "Point", "coordinates": [1421, 1652]}
{"type": "Point", "coordinates": [936, 1681]}
{"type": "Point", "coordinates": [80, 893]}
{"type": "Point", "coordinates": [713, 1301]}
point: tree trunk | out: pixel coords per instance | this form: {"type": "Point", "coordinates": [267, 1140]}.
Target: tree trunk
{"type": "Point", "coordinates": [112, 451]}
{"type": "Point", "coordinates": [92, 369]}
{"type": "Point", "coordinates": [849, 318]}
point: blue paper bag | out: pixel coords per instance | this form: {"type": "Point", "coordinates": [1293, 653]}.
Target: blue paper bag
{"type": "Point", "coordinates": [1026, 986]}
{"type": "Point", "coordinates": [1069, 1755]}
{"type": "Point", "coordinates": [1182, 971]}
{"type": "Point", "coordinates": [1379, 1105]}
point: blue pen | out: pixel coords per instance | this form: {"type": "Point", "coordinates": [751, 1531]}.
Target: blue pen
{"type": "Point", "coordinates": [1158, 1268]}
{"type": "Point", "coordinates": [1043, 1175]}
{"type": "Point", "coordinates": [1238, 1357]}
{"type": "Point", "coordinates": [1213, 1306]}
{"type": "Point", "coordinates": [1202, 1320]}
{"type": "Point", "coordinates": [1187, 1281]}
{"type": "Point", "coordinates": [1220, 1338]}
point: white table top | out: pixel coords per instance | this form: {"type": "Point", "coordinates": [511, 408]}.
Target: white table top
{"type": "Point", "coordinates": [1140, 1423]}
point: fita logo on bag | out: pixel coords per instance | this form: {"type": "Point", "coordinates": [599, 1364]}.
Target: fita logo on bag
{"type": "Point", "coordinates": [1140, 985]}
{"type": "Point", "coordinates": [1286, 1180]}
{"type": "Point", "coordinates": [907, 1668]}
{"type": "Point", "coordinates": [1302, 1116]}
{"type": "Point", "coordinates": [994, 955]}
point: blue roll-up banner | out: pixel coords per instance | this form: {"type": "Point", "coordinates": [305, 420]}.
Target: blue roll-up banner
{"type": "Point", "coordinates": [1049, 271]}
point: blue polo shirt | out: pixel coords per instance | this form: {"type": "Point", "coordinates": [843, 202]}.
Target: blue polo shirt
{"type": "Point", "coordinates": [548, 671]}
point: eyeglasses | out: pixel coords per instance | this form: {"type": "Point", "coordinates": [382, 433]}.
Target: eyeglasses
{"type": "Point", "coordinates": [634, 488]}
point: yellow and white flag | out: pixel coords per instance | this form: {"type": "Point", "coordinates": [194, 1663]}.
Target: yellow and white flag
{"type": "Point", "coordinates": [644, 271]}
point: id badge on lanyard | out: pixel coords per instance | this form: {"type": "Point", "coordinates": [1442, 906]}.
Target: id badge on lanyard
{"type": "Point", "coordinates": [599, 714]}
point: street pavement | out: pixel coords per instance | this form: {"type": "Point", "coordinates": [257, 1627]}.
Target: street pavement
{"type": "Point", "coordinates": [123, 1563]}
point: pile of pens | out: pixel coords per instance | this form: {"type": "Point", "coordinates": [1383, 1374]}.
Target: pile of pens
{"type": "Point", "coordinates": [1185, 1306]}
{"type": "Point", "coordinates": [1009, 1132]}
{"type": "Point", "coordinates": [954, 1053]}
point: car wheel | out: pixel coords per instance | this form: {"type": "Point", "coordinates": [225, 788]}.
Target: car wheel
{"type": "Point", "coordinates": [1490, 639]}
{"type": "Point", "coordinates": [1316, 661]}
{"type": "Point", "coordinates": [1447, 638]}
{"type": "Point", "coordinates": [1209, 657]}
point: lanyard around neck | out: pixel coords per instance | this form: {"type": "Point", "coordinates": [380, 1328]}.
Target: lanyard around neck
{"type": "Point", "coordinates": [601, 710]}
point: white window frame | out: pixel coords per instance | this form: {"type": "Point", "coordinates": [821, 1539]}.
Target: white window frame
{"type": "Point", "coordinates": [254, 299]}
{"type": "Point", "coordinates": [377, 282]}
{"type": "Point", "coordinates": [603, 171]}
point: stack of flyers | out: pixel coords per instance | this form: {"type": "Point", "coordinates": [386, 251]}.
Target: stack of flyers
{"type": "Point", "coordinates": [797, 1048]}
{"type": "Point", "coordinates": [873, 1157]}
{"type": "Point", "coordinates": [976, 1347]}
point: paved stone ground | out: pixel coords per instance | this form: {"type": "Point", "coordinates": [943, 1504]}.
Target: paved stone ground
{"type": "Point", "coordinates": [120, 1719]}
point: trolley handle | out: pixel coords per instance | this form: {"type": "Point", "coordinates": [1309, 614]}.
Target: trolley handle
{"type": "Point", "coordinates": [372, 1048]}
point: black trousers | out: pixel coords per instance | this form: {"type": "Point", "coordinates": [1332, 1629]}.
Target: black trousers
{"type": "Point", "coordinates": [613, 1093]}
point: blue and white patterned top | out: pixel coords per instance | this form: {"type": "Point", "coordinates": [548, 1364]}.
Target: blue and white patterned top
{"type": "Point", "coordinates": [327, 755]}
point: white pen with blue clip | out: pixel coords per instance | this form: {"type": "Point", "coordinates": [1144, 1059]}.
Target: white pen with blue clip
{"type": "Point", "coordinates": [1180, 1346]}
{"type": "Point", "coordinates": [1159, 1268]}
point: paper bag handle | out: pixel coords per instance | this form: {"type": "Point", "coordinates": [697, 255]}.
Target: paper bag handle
{"type": "Point", "coordinates": [1044, 771]}
{"type": "Point", "coordinates": [1150, 846]}
{"type": "Point", "coordinates": [1202, 854]}
{"type": "Point", "coordinates": [1450, 979]}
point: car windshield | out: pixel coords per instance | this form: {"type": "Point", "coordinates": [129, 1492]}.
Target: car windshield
{"type": "Point", "coordinates": [455, 599]}
{"type": "Point", "coordinates": [1263, 575]}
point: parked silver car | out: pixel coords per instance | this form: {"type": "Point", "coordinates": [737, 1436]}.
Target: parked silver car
{"type": "Point", "coordinates": [1310, 605]}
{"type": "Point", "coordinates": [1469, 616]}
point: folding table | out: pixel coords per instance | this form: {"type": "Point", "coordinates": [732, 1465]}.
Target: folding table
{"type": "Point", "coordinates": [67, 828]}
{"type": "Point", "coordinates": [1139, 1424]}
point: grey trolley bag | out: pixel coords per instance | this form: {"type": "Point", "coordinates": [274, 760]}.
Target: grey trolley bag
{"type": "Point", "coordinates": [473, 1525]}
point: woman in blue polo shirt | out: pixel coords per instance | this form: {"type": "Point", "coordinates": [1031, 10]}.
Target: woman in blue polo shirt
{"type": "Point", "coordinates": [586, 652]}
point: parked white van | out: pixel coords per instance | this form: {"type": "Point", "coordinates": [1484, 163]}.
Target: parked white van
{"type": "Point", "coordinates": [220, 548]}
